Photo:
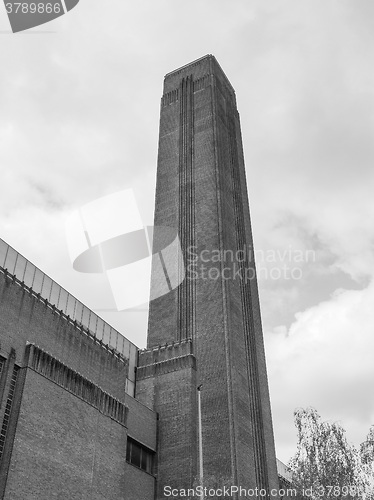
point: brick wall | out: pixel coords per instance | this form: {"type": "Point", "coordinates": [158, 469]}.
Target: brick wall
{"type": "Point", "coordinates": [142, 423]}
{"type": "Point", "coordinates": [166, 379]}
{"type": "Point", "coordinates": [57, 444]}
{"type": "Point", "coordinates": [201, 191]}
{"type": "Point", "coordinates": [139, 484]}
{"type": "Point", "coordinates": [23, 318]}
{"type": "Point", "coordinates": [64, 447]}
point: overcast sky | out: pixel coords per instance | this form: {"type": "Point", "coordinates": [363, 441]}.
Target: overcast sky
{"type": "Point", "coordinates": [79, 111]}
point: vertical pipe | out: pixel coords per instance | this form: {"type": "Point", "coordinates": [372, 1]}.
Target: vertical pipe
{"type": "Point", "coordinates": [201, 469]}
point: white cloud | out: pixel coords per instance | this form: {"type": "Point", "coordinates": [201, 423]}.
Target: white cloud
{"type": "Point", "coordinates": [325, 360]}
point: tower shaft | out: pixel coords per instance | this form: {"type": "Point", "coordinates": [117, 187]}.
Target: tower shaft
{"type": "Point", "coordinates": [201, 191]}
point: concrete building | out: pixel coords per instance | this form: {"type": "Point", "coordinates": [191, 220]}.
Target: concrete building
{"type": "Point", "coordinates": [86, 415]}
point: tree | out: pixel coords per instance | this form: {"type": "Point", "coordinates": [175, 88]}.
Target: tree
{"type": "Point", "coordinates": [367, 459]}
{"type": "Point", "coordinates": [367, 448]}
{"type": "Point", "coordinates": [325, 465]}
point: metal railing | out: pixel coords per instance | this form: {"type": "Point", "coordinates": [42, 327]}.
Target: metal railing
{"type": "Point", "coordinates": [28, 274]}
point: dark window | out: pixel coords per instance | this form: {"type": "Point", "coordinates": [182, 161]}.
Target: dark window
{"type": "Point", "coordinates": [2, 362]}
{"type": "Point", "coordinates": [135, 455]}
{"type": "Point", "coordinates": [144, 461]}
{"type": "Point", "coordinates": [139, 455]}
{"type": "Point", "coordinates": [8, 408]}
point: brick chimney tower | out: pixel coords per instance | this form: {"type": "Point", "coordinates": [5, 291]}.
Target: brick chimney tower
{"type": "Point", "coordinates": [208, 329]}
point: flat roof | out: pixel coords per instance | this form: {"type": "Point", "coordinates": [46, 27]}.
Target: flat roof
{"type": "Point", "coordinates": [196, 61]}
{"type": "Point", "coordinates": [41, 284]}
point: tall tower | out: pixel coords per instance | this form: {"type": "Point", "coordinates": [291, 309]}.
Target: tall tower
{"type": "Point", "coordinates": [208, 330]}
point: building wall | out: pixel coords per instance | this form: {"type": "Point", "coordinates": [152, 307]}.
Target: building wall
{"type": "Point", "coordinates": [201, 191]}
{"type": "Point", "coordinates": [142, 422]}
{"type": "Point", "coordinates": [66, 434]}
{"type": "Point", "coordinates": [24, 318]}
{"type": "Point", "coordinates": [139, 484]}
{"type": "Point", "coordinates": [166, 380]}
{"type": "Point", "coordinates": [64, 447]}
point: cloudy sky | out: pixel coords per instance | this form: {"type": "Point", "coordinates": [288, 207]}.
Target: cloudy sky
{"type": "Point", "coordinates": [79, 110]}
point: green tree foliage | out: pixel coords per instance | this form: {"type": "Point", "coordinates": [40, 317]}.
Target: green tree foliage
{"type": "Point", "coordinates": [325, 465]}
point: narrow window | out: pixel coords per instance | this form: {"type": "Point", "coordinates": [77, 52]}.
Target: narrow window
{"type": "Point", "coordinates": [8, 408]}
{"type": "Point", "coordinates": [139, 455]}
{"type": "Point", "coordinates": [135, 455]}
{"type": "Point", "coordinates": [2, 361]}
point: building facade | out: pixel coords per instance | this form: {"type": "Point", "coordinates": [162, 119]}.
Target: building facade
{"type": "Point", "coordinates": [214, 315]}
{"type": "Point", "coordinates": [70, 425]}
{"type": "Point", "coordinates": [84, 413]}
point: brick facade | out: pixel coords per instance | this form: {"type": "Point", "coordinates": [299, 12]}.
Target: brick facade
{"type": "Point", "coordinates": [166, 380]}
{"type": "Point", "coordinates": [70, 416]}
{"type": "Point", "coordinates": [201, 191]}
{"type": "Point", "coordinates": [69, 426]}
